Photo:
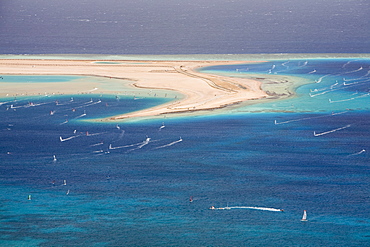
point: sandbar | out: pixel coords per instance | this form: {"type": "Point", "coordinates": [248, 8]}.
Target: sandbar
{"type": "Point", "coordinates": [201, 91]}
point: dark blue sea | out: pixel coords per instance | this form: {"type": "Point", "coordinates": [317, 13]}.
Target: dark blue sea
{"type": "Point", "coordinates": [184, 26]}
{"type": "Point", "coordinates": [67, 181]}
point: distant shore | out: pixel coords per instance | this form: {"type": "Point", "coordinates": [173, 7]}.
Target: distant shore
{"type": "Point", "coordinates": [201, 91]}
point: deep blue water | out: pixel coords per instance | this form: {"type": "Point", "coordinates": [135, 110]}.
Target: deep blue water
{"type": "Point", "coordinates": [123, 191]}
{"type": "Point", "coordinates": [184, 27]}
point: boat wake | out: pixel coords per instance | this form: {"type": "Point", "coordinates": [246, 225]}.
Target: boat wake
{"type": "Point", "coordinates": [139, 145]}
{"type": "Point", "coordinates": [361, 96]}
{"type": "Point", "coordinates": [321, 78]}
{"type": "Point", "coordinates": [67, 139]}
{"type": "Point", "coordinates": [96, 144]}
{"type": "Point", "coordinates": [94, 134]}
{"type": "Point", "coordinates": [358, 153]}
{"type": "Point", "coordinates": [307, 118]}
{"type": "Point", "coordinates": [245, 207]}
{"type": "Point", "coordinates": [90, 103]}
{"type": "Point", "coordinates": [169, 144]}
{"type": "Point", "coordinates": [82, 115]}
{"type": "Point", "coordinates": [331, 131]}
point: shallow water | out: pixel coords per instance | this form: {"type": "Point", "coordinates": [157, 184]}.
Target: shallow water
{"type": "Point", "coordinates": [123, 189]}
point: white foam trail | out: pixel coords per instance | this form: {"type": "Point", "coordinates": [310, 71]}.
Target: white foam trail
{"type": "Point", "coordinates": [325, 88]}
{"type": "Point", "coordinates": [140, 144]}
{"type": "Point", "coordinates": [304, 64]}
{"type": "Point", "coordinates": [96, 144]}
{"type": "Point", "coordinates": [306, 118]}
{"type": "Point", "coordinates": [15, 107]}
{"type": "Point", "coordinates": [98, 151]}
{"type": "Point", "coordinates": [334, 85]}
{"type": "Point", "coordinates": [64, 122]}
{"type": "Point", "coordinates": [313, 71]}
{"type": "Point", "coordinates": [331, 131]}
{"type": "Point", "coordinates": [245, 207]}
{"type": "Point", "coordinates": [344, 65]}
{"type": "Point", "coordinates": [354, 71]}
{"type": "Point", "coordinates": [332, 90]}
{"type": "Point", "coordinates": [336, 101]}
{"type": "Point", "coordinates": [66, 139]}
{"type": "Point", "coordinates": [285, 64]}
{"type": "Point", "coordinates": [88, 104]}
{"type": "Point", "coordinates": [356, 82]}
{"type": "Point", "coordinates": [27, 105]}
{"type": "Point", "coordinates": [261, 208]}
{"type": "Point", "coordinates": [121, 134]}
{"type": "Point", "coordinates": [362, 151]}
{"type": "Point", "coordinates": [82, 115]}
{"type": "Point", "coordinates": [2, 103]}
{"type": "Point", "coordinates": [95, 134]}
{"type": "Point", "coordinates": [359, 78]}
{"type": "Point", "coordinates": [162, 126]}
{"type": "Point", "coordinates": [321, 78]}
{"type": "Point", "coordinates": [170, 144]}
{"type": "Point", "coordinates": [146, 142]}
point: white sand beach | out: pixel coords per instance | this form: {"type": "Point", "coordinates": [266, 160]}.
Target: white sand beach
{"type": "Point", "coordinates": [201, 91]}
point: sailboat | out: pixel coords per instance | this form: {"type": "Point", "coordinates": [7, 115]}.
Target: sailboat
{"type": "Point", "coordinates": [304, 217]}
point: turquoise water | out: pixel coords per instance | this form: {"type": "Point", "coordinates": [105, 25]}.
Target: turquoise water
{"type": "Point", "coordinates": [125, 190]}
{"type": "Point", "coordinates": [39, 79]}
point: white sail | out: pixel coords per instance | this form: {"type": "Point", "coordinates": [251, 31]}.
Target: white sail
{"type": "Point", "coordinates": [304, 217]}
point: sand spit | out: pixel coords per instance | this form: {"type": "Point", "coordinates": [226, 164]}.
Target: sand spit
{"type": "Point", "coordinates": [201, 91]}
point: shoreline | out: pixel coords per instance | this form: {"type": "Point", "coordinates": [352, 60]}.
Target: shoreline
{"type": "Point", "coordinates": [202, 92]}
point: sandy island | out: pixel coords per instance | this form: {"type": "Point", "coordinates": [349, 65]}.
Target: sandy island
{"type": "Point", "coordinates": [201, 91]}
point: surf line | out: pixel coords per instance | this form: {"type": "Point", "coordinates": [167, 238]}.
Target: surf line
{"type": "Point", "coordinates": [244, 207]}
{"type": "Point", "coordinates": [170, 144]}
{"type": "Point", "coordinates": [331, 131]}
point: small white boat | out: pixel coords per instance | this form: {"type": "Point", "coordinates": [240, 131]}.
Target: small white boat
{"type": "Point", "coordinates": [304, 217]}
